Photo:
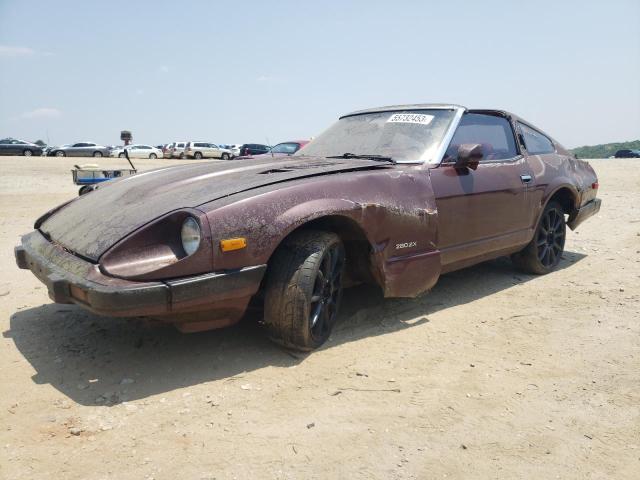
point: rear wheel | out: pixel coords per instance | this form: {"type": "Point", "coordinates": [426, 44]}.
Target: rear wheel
{"type": "Point", "coordinates": [197, 155]}
{"type": "Point", "coordinates": [181, 156]}
{"type": "Point", "coordinates": [225, 156]}
{"type": "Point", "coordinates": [543, 253]}
{"type": "Point", "coordinates": [303, 289]}
{"type": "Point", "coordinates": [97, 154]}
{"type": "Point", "coordinates": [121, 155]}
{"type": "Point", "coordinates": [153, 156]}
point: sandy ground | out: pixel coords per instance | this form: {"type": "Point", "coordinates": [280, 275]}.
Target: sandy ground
{"type": "Point", "coordinates": [494, 374]}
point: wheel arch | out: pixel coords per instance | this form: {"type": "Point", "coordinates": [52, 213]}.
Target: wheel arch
{"type": "Point", "coordinates": [357, 245]}
{"type": "Point", "coordinates": [564, 193]}
{"type": "Point", "coordinates": [567, 197]}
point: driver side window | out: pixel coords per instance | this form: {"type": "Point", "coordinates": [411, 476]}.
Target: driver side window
{"type": "Point", "coordinates": [494, 133]}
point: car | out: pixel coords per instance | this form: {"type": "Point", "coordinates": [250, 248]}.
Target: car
{"type": "Point", "coordinates": [80, 149]}
{"type": "Point", "coordinates": [248, 149]}
{"type": "Point", "coordinates": [627, 154]}
{"type": "Point", "coordinates": [199, 150]}
{"type": "Point", "coordinates": [176, 150]}
{"type": "Point", "coordinates": [285, 148]}
{"type": "Point", "coordinates": [393, 196]}
{"type": "Point", "coordinates": [166, 150]}
{"type": "Point", "coordinates": [138, 151]}
{"type": "Point", "coordinates": [234, 148]}
{"type": "Point", "coordinates": [11, 146]}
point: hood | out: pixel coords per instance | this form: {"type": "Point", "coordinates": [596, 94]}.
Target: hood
{"type": "Point", "coordinates": [92, 223]}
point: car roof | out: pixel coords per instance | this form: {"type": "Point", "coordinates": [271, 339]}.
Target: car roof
{"type": "Point", "coordinates": [414, 106]}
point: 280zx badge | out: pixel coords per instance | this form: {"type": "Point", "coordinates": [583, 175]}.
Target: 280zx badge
{"type": "Point", "coordinates": [406, 245]}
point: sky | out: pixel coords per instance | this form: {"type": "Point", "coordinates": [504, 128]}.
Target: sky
{"type": "Point", "coordinates": [265, 72]}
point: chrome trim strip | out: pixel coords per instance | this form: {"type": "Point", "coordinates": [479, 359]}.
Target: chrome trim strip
{"type": "Point", "coordinates": [446, 140]}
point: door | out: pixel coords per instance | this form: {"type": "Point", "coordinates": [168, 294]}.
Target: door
{"type": "Point", "coordinates": [482, 211]}
{"type": "Point", "coordinates": [77, 150]}
{"type": "Point", "coordinates": [215, 151]}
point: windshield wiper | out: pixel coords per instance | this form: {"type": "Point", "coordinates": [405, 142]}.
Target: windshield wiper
{"type": "Point", "coordinates": [377, 158]}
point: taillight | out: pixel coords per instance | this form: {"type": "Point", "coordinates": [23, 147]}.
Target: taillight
{"type": "Point", "coordinates": [595, 185]}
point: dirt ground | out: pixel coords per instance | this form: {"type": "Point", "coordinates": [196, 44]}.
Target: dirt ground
{"type": "Point", "coordinates": [494, 374]}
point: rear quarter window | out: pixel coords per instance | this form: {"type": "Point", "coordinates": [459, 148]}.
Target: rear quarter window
{"type": "Point", "coordinates": [535, 142]}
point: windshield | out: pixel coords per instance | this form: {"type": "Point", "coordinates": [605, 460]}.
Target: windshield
{"type": "Point", "coordinates": [404, 135]}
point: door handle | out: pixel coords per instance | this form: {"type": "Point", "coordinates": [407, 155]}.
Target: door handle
{"type": "Point", "coordinates": [526, 178]}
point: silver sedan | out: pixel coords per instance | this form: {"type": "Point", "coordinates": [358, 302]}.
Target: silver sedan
{"type": "Point", "coordinates": [81, 149]}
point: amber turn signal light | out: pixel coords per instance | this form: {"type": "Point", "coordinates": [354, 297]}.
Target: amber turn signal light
{"type": "Point", "coordinates": [231, 244]}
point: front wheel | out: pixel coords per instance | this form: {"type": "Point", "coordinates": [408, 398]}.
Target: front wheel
{"type": "Point", "coordinates": [153, 156]}
{"type": "Point", "coordinates": [60, 154]}
{"type": "Point", "coordinates": [225, 156]}
{"type": "Point", "coordinates": [27, 153]}
{"type": "Point", "coordinates": [121, 155]}
{"type": "Point", "coordinates": [543, 253]}
{"type": "Point", "coordinates": [97, 154]}
{"type": "Point", "coordinates": [303, 289]}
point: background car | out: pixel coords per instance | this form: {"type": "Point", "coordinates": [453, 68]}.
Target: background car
{"type": "Point", "coordinates": [166, 150]}
{"type": "Point", "coordinates": [81, 149]}
{"type": "Point", "coordinates": [206, 150]}
{"type": "Point", "coordinates": [138, 151]}
{"type": "Point", "coordinates": [627, 154]}
{"type": "Point", "coordinates": [11, 146]}
{"type": "Point", "coordinates": [286, 148]}
{"type": "Point", "coordinates": [234, 148]}
{"type": "Point", "coordinates": [253, 149]}
{"type": "Point", "coordinates": [176, 150]}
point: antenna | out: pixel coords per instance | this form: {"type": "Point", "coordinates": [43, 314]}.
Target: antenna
{"type": "Point", "coordinates": [270, 147]}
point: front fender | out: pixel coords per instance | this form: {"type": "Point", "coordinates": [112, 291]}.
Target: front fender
{"type": "Point", "coordinates": [395, 212]}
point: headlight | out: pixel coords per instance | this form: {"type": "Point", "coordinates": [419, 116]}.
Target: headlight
{"type": "Point", "coordinates": [190, 235]}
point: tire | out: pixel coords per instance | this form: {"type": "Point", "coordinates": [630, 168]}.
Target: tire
{"type": "Point", "coordinates": [121, 155]}
{"type": "Point", "coordinates": [85, 189]}
{"type": "Point", "coordinates": [27, 153]}
{"type": "Point", "coordinates": [543, 253]}
{"type": "Point", "coordinates": [60, 154]}
{"type": "Point", "coordinates": [197, 155]}
{"type": "Point", "coordinates": [97, 154]}
{"type": "Point", "coordinates": [225, 156]}
{"type": "Point", "coordinates": [181, 156]}
{"type": "Point", "coordinates": [303, 289]}
{"type": "Point", "coordinates": [153, 156]}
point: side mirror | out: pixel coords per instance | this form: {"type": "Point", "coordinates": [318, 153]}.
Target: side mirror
{"type": "Point", "coordinates": [469, 155]}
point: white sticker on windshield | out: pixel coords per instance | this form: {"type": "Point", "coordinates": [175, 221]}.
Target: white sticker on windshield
{"type": "Point", "coordinates": [419, 118]}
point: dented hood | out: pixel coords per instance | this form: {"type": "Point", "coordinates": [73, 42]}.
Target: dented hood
{"type": "Point", "coordinates": [90, 224]}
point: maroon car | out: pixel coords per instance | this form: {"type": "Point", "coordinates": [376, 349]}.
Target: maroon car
{"type": "Point", "coordinates": [393, 196]}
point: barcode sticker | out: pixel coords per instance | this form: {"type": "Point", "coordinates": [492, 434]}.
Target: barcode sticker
{"type": "Point", "coordinates": [419, 118]}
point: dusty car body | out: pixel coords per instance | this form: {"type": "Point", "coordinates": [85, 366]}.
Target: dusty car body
{"type": "Point", "coordinates": [430, 189]}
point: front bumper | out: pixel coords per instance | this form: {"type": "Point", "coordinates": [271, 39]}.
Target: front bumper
{"type": "Point", "coordinates": [581, 214]}
{"type": "Point", "coordinates": [70, 279]}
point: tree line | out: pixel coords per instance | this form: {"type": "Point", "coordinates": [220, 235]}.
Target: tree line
{"type": "Point", "coordinates": [605, 150]}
